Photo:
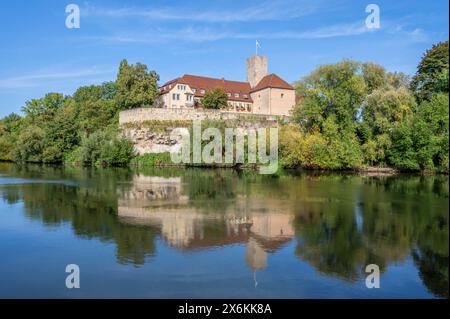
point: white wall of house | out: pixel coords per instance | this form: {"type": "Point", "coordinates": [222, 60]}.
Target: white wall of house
{"type": "Point", "coordinates": [180, 96]}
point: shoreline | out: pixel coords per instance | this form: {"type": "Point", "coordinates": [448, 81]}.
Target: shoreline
{"type": "Point", "coordinates": [364, 171]}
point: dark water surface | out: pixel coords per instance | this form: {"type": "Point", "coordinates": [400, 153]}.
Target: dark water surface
{"type": "Point", "coordinates": [194, 233]}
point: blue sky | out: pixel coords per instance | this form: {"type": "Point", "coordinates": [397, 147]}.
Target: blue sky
{"type": "Point", "coordinates": [211, 38]}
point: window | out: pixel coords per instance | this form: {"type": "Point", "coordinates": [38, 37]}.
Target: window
{"type": "Point", "coordinates": [194, 90]}
{"type": "Point", "coordinates": [229, 94]}
{"type": "Point", "coordinates": [202, 91]}
{"type": "Point", "coordinates": [245, 96]}
{"type": "Point", "coordinates": [282, 95]}
{"type": "Point", "coordinates": [174, 96]}
{"type": "Point", "coordinates": [236, 94]}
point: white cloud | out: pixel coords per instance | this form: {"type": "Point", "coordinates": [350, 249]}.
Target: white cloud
{"type": "Point", "coordinates": [190, 34]}
{"type": "Point", "coordinates": [38, 78]}
{"type": "Point", "coordinates": [269, 10]}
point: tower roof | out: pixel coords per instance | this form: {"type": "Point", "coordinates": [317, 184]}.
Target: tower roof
{"type": "Point", "coordinates": [272, 81]}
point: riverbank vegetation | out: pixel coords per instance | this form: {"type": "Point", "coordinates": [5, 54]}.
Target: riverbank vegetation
{"type": "Point", "coordinates": [82, 128]}
{"type": "Point", "coordinates": [354, 114]}
{"type": "Point", "coordinates": [350, 115]}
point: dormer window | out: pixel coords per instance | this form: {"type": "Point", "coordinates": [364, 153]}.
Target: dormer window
{"type": "Point", "coordinates": [229, 94]}
{"type": "Point", "coordinates": [245, 96]}
{"type": "Point", "coordinates": [202, 91]}
{"type": "Point", "coordinates": [236, 95]}
{"type": "Point", "coordinates": [194, 90]}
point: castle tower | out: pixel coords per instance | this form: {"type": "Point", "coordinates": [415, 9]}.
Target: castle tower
{"type": "Point", "coordinates": [256, 69]}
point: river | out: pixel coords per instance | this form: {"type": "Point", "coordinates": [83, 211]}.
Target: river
{"type": "Point", "coordinates": [204, 233]}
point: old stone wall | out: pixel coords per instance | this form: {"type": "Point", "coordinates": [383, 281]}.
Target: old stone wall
{"type": "Point", "coordinates": [162, 114]}
{"type": "Point", "coordinates": [147, 139]}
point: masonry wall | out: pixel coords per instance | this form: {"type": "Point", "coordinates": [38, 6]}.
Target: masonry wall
{"type": "Point", "coordinates": [148, 140]}
{"type": "Point", "coordinates": [162, 114]}
{"type": "Point", "coordinates": [261, 101]}
{"type": "Point", "coordinates": [281, 101]}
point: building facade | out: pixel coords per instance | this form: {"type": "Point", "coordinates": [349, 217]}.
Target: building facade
{"type": "Point", "coordinates": [262, 93]}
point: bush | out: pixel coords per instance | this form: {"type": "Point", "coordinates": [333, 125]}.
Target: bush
{"type": "Point", "coordinates": [104, 148]}
{"type": "Point", "coordinates": [151, 159]}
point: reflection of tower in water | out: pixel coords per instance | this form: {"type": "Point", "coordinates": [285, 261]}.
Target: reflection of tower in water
{"type": "Point", "coordinates": [255, 256]}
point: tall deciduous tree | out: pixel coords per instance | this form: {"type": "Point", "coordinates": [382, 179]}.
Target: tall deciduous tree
{"type": "Point", "coordinates": [432, 72]}
{"type": "Point", "coordinates": [333, 89]}
{"type": "Point", "coordinates": [136, 86]}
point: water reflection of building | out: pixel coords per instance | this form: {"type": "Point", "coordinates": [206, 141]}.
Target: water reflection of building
{"type": "Point", "coordinates": [259, 224]}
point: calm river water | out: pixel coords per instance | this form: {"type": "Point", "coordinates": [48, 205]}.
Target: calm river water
{"type": "Point", "coordinates": [192, 233]}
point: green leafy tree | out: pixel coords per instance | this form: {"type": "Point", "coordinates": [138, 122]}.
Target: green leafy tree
{"type": "Point", "coordinates": [136, 86]}
{"type": "Point", "coordinates": [432, 72]}
{"type": "Point", "coordinates": [29, 145]}
{"type": "Point", "coordinates": [431, 133]}
{"type": "Point", "coordinates": [215, 99]}
{"type": "Point", "coordinates": [333, 89]}
{"type": "Point", "coordinates": [402, 154]}
{"type": "Point", "coordinates": [9, 131]}
{"type": "Point", "coordinates": [43, 108]}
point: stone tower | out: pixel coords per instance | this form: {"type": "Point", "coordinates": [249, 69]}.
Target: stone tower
{"type": "Point", "coordinates": [256, 69]}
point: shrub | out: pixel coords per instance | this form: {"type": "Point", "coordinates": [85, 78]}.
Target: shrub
{"type": "Point", "coordinates": [104, 148]}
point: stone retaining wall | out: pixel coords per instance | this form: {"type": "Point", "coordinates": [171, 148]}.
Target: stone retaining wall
{"type": "Point", "coordinates": [161, 114]}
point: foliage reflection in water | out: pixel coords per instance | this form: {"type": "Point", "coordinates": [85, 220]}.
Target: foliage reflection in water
{"type": "Point", "coordinates": [334, 223]}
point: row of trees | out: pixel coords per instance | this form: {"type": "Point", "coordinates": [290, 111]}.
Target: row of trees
{"type": "Point", "coordinates": [79, 128]}
{"type": "Point", "coordinates": [354, 114]}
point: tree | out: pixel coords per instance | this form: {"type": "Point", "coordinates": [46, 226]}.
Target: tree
{"type": "Point", "coordinates": [44, 107]}
{"type": "Point", "coordinates": [135, 86]}
{"type": "Point", "coordinates": [432, 72]}
{"type": "Point", "coordinates": [9, 131]}
{"type": "Point", "coordinates": [215, 99]}
{"type": "Point", "coordinates": [374, 76]}
{"type": "Point", "coordinates": [61, 133]}
{"type": "Point", "coordinates": [94, 107]}
{"type": "Point", "coordinates": [402, 154]}
{"type": "Point", "coordinates": [29, 145]}
{"type": "Point", "coordinates": [431, 133]}
{"type": "Point", "coordinates": [333, 89]}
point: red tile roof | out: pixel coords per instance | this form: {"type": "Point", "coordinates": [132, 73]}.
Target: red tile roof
{"type": "Point", "coordinates": [272, 81]}
{"type": "Point", "coordinates": [204, 83]}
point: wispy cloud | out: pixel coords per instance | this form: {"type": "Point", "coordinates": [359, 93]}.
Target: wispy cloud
{"type": "Point", "coordinates": [268, 10]}
{"type": "Point", "coordinates": [416, 35]}
{"type": "Point", "coordinates": [39, 78]}
{"type": "Point", "coordinates": [191, 34]}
